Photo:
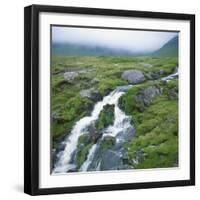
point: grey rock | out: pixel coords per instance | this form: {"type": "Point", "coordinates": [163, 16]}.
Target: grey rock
{"type": "Point", "coordinates": [94, 80]}
{"type": "Point", "coordinates": [111, 160]}
{"type": "Point", "coordinates": [92, 94]}
{"type": "Point", "coordinates": [86, 93]}
{"type": "Point", "coordinates": [70, 76]}
{"type": "Point", "coordinates": [133, 76]}
{"type": "Point", "coordinates": [147, 95]}
{"type": "Point", "coordinates": [173, 94]}
{"type": "Point", "coordinates": [127, 134]}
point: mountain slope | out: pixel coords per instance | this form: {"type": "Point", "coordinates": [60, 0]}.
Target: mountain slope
{"type": "Point", "coordinates": [168, 49]}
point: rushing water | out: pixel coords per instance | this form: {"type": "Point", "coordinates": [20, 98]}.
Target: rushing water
{"type": "Point", "coordinates": [63, 164]}
{"type": "Point", "coordinates": [119, 129]}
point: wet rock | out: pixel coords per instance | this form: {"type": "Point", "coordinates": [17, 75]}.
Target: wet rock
{"type": "Point", "coordinates": [70, 76]}
{"type": "Point", "coordinates": [111, 160]}
{"type": "Point", "coordinates": [126, 135]}
{"type": "Point", "coordinates": [133, 76]}
{"type": "Point", "coordinates": [73, 169]}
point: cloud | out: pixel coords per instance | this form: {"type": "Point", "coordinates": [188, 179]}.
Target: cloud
{"type": "Point", "coordinates": [131, 40]}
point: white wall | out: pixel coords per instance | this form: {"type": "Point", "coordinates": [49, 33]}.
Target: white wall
{"type": "Point", "coordinates": [11, 101]}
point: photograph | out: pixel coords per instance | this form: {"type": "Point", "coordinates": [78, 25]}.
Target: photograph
{"type": "Point", "coordinates": [114, 99]}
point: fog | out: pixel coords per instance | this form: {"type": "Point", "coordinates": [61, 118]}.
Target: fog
{"type": "Point", "coordinates": [131, 40]}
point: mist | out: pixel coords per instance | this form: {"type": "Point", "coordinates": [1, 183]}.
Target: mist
{"type": "Point", "coordinates": [129, 40]}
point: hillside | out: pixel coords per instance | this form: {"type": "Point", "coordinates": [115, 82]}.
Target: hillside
{"type": "Point", "coordinates": [168, 49]}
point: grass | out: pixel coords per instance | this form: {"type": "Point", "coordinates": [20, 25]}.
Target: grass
{"type": "Point", "coordinates": [106, 117]}
{"type": "Point", "coordinates": [156, 135]}
{"type": "Point", "coordinates": [156, 140]}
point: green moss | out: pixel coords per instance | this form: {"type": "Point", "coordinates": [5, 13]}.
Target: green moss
{"type": "Point", "coordinates": [68, 106]}
{"type": "Point", "coordinates": [82, 154]}
{"type": "Point", "coordinates": [106, 117]}
{"type": "Point", "coordinates": [107, 85]}
{"type": "Point", "coordinates": [156, 140]}
{"type": "Point", "coordinates": [107, 143]}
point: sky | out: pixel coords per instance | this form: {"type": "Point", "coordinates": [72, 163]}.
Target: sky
{"type": "Point", "coordinates": [131, 40]}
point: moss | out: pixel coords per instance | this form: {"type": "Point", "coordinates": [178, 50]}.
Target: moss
{"type": "Point", "coordinates": [84, 139]}
{"type": "Point", "coordinates": [156, 140]}
{"type": "Point", "coordinates": [67, 115]}
{"type": "Point", "coordinates": [107, 143]}
{"type": "Point", "coordinates": [82, 154]}
{"type": "Point", "coordinates": [68, 106]}
{"type": "Point", "coordinates": [106, 117]}
{"type": "Point", "coordinates": [107, 85]}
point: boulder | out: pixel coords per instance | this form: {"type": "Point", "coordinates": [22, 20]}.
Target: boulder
{"type": "Point", "coordinates": [126, 135]}
{"type": "Point", "coordinates": [94, 80]}
{"type": "Point", "coordinates": [91, 94]}
{"type": "Point", "coordinates": [111, 160]}
{"type": "Point", "coordinates": [86, 93]}
{"type": "Point", "coordinates": [133, 76]}
{"type": "Point", "coordinates": [147, 95]}
{"type": "Point", "coordinates": [70, 76]}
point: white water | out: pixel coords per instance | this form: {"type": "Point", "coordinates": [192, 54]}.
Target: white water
{"type": "Point", "coordinates": [63, 164]}
{"type": "Point", "coordinates": [170, 77]}
{"type": "Point", "coordinates": [121, 123]}
{"type": "Point", "coordinates": [90, 157]}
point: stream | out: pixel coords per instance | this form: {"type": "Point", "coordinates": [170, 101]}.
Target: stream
{"type": "Point", "coordinates": [122, 130]}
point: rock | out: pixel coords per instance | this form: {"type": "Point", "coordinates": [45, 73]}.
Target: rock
{"type": "Point", "coordinates": [173, 94]}
{"type": "Point", "coordinates": [126, 135]}
{"type": "Point", "coordinates": [70, 76]}
{"type": "Point", "coordinates": [111, 160]}
{"type": "Point", "coordinates": [86, 93]}
{"type": "Point", "coordinates": [145, 64]}
{"type": "Point", "coordinates": [133, 76]}
{"type": "Point", "coordinates": [147, 95]}
{"type": "Point", "coordinates": [73, 168]}
{"type": "Point", "coordinates": [91, 94]}
{"type": "Point", "coordinates": [155, 75]}
{"type": "Point", "coordinates": [93, 135]}
{"type": "Point", "coordinates": [94, 80]}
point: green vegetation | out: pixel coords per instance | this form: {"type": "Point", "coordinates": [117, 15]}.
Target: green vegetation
{"type": "Point", "coordinates": [82, 154]}
{"type": "Point", "coordinates": [156, 122]}
{"type": "Point", "coordinates": [156, 140]}
{"type": "Point", "coordinates": [107, 142]}
{"type": "Point", "coordinates": [106, 117]}
{"type": "Point", "coordinates": [169, 49]}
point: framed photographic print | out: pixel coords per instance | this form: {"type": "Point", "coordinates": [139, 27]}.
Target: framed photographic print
{"type": "Point", "coordinates": [109, 100]}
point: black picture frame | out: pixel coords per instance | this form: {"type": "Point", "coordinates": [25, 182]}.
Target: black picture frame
{"type": "Point", "coordinates": [31, 98]}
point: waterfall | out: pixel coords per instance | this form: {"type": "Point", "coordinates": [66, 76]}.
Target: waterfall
{"type": "Point", "coordinates": [121, 124]}
{"type": "Point", "coordinates": [121, 130]}
{"type": "Point", "coordinates": [63, 164]}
